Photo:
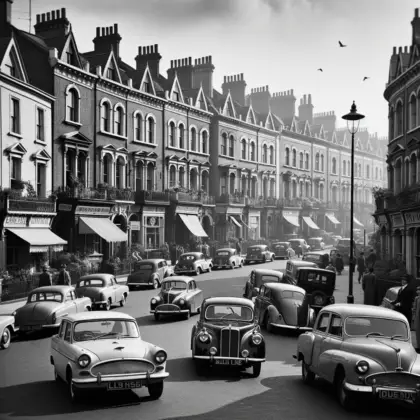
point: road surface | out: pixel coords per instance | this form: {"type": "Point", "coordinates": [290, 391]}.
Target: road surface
{"type": "Point", "coordinates": [27, 388]}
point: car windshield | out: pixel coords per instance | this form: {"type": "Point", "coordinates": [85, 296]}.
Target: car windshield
{"type": "Point", "coordinates": [311, 257]}
{"type": "Point", "coordinates": [290, 294]}
{"type": "Point", "coordinates": [362, 326]}
{"type": "Point", "coordinates": [188, 258]}
{"type": "Point", "coordinates": [229, 312]}
{"type": "Point", "coordinates": [105, 329]}
{"type": "Point", "coordinates": [174, 285]}
{"type": "Point", "coordinates": [284, 245]}
{"type": "Point", "coordinates": [223, 254]}
{"type": "Point", "coordinates": [295, 242]}
{"type": "Point", "coordinates": [318, 278]}
{"type": "Point", "coordinates": [91, 283]}
{"type": "Point", "coordinates": [46, 296]}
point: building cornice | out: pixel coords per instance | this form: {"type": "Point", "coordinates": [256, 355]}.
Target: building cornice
{"type": "Point", "coordinates": [26, 87]}
{"type": "Point", "coordinates": [399, 83]}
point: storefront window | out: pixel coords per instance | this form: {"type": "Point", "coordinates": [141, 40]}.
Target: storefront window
{"type": "Point", "coordinates": [153, 231]}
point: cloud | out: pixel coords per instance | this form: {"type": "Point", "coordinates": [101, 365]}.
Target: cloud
{"type": "Point", "coordinates": [281, 6]}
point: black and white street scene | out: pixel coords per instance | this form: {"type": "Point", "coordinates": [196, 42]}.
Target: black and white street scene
{"type": "Point", "coordinates": [209, 209]}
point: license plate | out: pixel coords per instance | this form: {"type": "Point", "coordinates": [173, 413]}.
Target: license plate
{"type": "Point", "coordinates": [397, 395]}
{"type": "Point", "coordinates": [228, 362]}
{"type": "Point", "coordinates": [121, 386]}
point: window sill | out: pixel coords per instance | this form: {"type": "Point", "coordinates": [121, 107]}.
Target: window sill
{"type": "Point", "coordinates": [73, 123]}
{"type": "Point", "coordinates": [17, 135]}
{"type": "Point", "coordinates": [116, 136]}
{"type": "Point", "coordinates": [41, 142]}
{"type": "Point", "coordinates": [227, 157]}
{"type": "Point", "coordinates": [198, 153]}
{"type": "Point", "coordinates": [145, 143]}
{"type": "Point", "coordinates": [176, 148]}
{"type": "Point", "coordinates": [247, 160]}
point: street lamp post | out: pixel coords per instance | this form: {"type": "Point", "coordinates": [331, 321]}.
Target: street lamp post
{"type": "Point", "coordinates": [353, 120]}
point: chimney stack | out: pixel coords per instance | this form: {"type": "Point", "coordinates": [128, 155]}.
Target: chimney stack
{"type": "Point", "coordinates": [260, 99]}
{"type": "Point", "coordinates": [149, 56]}
{"type": "Point", "coordinates": [5, 18]}
{"type": "Point", "coordinates": [203, 75]}
{"type": "Point", "coordinates": [51, 25]}
{"type": "Point", "coordinates": [184, 69]}
{"type": "Point", "coordinates": [283, 104]}
{"type": "Point", "coordinates": [107, 40]}
{"type": "Point", "coordinates": [306, 109]}
{"type": "Point", "coordinates": [415, 23]}
{"type": "Point", "coordinates": [236, 85]}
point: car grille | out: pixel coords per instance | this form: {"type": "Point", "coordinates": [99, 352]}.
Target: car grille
{"type": "Point", "coordinates": [229, 342]}
{"type": "Point", "coordinates": [121, 367]}
{"type": "Point", "coordinates": [167, 308]}
{"type": "Point", "coordinates": [168, 298]}
{"type": "Point", "coordinates": [396, 380]}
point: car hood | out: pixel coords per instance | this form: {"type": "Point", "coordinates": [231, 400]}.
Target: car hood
{"type": "Point", "coordinates": [6, 320]}
{"type": "Point", "coordinates": [169, 297]}
{"type": "Point", "coordinates": [383, 350]}
{"type": "Point", "coordinates": [35, 311]}
{"type": "Point", "coordinates": [114, 348]}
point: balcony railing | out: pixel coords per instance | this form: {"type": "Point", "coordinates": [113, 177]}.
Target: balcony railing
{"type": "Point", "coordinates": [143, 197]}
{"type": "Point", "coordinates": [191, 197]}
{"type": "Point", "coordinates": [402, 200]}
{"type": "Point", "coordinates": [231, 199]}
{"type": "Point", "coordinates": [26, 204]}
{"type": "Point", "coordinates": [101, 193]}
{"type": "Point", "coordinates": [289, 202]}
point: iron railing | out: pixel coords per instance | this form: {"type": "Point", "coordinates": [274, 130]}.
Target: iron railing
{"type": "Point", "coordinates": [144, 196]}
{"type": "Point", "coordinates": [231, 199]}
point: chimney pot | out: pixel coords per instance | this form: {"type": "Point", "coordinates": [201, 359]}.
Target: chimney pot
{"type": "Point", "coordinates": [57, 13]}
{"type": "Point", "coordinates": [309, 99]}
{"type": "Point", "coordinates": [266, 88]}
{"type": "Point", "coordinates": [189, 60]}
{"type": "Point", "coordinates": [53, 15]}
{"type": "Point", "coordinates": [110, 30]}
{"type": "Point", "coordinates": [63, 13]}
{"type": "Point", "coordinates": [224, 79]}
{"type": "Point", "coordinates": [115, 28]}
{"type": "Point", "coordinates": [157, 49]}
{"type": "Point", "coordinates": [107, 31]}
{"type": "Point", "coordinates": [172, 64]}
{"type": "Point", "coordinates": [98, 34]}
{"type": "Point", "coordinates": [43, 17]}
{"type": "Point", "coordinates": [405, 49]}
{"type": "Point", "coordinates": [38, 18]}
{"type": "Point", "coordinates": [416, 12]}
{"type": "Point", "coordinates": [399, 49]}
{"type": "Point", "coordinates": [103, 31]}
{"type": "Point", "coordinates": [291, 92]}
{"type": "Point", "coordinates": [48, 16]}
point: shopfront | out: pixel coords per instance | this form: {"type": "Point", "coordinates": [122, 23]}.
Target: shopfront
{"type": "Point", "coordinates": [398, 235]}
{"type": "Point", "coordinates": [332, 224]}
{"type": "Point", "coordinates": [290, 223]}
{"type": "Point", "coordinates": [152, 227]}
{"type": "Point", "coordinates": [187, 226]}
{"type": "Point", "coordinates": [254, 223]}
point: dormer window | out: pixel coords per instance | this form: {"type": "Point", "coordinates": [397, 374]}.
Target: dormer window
{"type": "Point", "coordinates": [147, 87]}
{"type": "Point", "coordinates": [175, 96]}
{"type": "Point", "coordinates": [11, 69]}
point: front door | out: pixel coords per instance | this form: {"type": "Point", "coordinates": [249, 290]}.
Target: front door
{"type": "Point", "coordinates": [320, 331]}
{"type": "Point", "coordinates": [70, 303]}
{"type": "Point", "coordinates": [332, 341]}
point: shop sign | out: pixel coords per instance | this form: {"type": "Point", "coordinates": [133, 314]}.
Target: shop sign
{"type": "Point", "coordinates": [15, 221]}
{"type": "Point", "coordinates": [40, 222]}
{"type": "Point", "coordinates": [233, 210]}
{"type": "Point", "coordinates": [64, 207]}
{"type": "Point", "coordinates": [410, 218]}
{"type": "Point", "coordinates": [153, 221]}
{"type": "Point", "coordinates": [253, 222]}
{"type": "Point", "coordinates": [254, 213]}
{"type": "Point", "coordinates": [134, 225]}
{"type": "Point", "coordinates": [291, 213]}
{"type": "Point", "coordinates": [186, 210]}
{"type": "Point", "coordinates": [397, 220]}
{"type": "Point", "coordinates": [152, 209]}
{"type": "Point", "coordinates": [92, 211]}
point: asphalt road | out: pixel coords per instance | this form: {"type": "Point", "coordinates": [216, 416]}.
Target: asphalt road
{"type": "Point", "coordinates": [28, 390]}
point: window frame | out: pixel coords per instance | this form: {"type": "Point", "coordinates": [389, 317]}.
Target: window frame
{"type": "Point", "coordinates": [15, 120]}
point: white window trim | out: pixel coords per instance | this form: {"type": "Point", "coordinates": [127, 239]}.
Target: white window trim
{"type": "Point", "coordinates": [142, 126]}
{"type": "Point", "coordinates": [11, 132]}
{"type": "Point", "coordinates": [117, 107]}
{"type": "Point", "coordinates": [67, 117]}
{"type": "Point", "coordinates": [146, 119]}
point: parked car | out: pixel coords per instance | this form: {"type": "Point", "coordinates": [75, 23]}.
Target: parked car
{"type": "Point", "coordinates": [390, 296]}
{"type": "Point", "coordinates": [280, 249]}
{"type": "Point", "coordinates": [227, 335]}
{"type": "Point", "coordinates": [316, 258]}
{"type": "Point", "coordinates": [149, 273]}
{"type": "Point", "coordinates": [104, 351]}
{"type": "Point", "coordinates": [259, 253]}
{"type": "Point", "coordinates": [103, 290]}
{"type": "Point", "coordinates": [7, 329]}
{"type": "Point", "coordinates": [227, 258]}
{"type": "Point", "coordinates": [155, 254]}
{"type": "Point", "coordinates": [335, 239]}
{"type": "Point", "coordinates": [299, 246]}
{"type": "Point", "coordinates": [316, 244]}
{"type": "Point", "coordinates": [292, 267]}
{"type": "Point", "coordinates": [46, 306]}
{"type": "Point", "coordinates": [193, 262]}
{"type": "Point", "coordinates": [362, 350]}
{"type": "Point", "coordinates": [178, 295]}
{"type": "Point", "coordinates": [257, 278]}
{"type": "Point", "coordinates": [343, 247]}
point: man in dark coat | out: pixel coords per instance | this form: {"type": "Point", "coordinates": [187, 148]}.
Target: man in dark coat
{"type": "Point", "coordinates": [239, 246]}
{"type": "Point", "coordinates": [405, 298]}
{"type": "Point", "coordinates": [371, 259]}
{"type": "Point", "coordinates": [64, 278]}
{"type": "Point", "coordinates": [361, 267]}
{"type": "Point", "coordinates": [45, 279]}
{"type": "Point", "coordinates": [369, 287]}
{"type": "Point", "coordinates": [339, 263]}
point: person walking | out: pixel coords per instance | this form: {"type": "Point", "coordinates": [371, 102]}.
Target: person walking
{"type": "Point", "coordinates": [206, 249]}
{"type": "Point", "coordinates": [371, 259]}
{"type": "Point", "coordinates": [45, 279]}
{"type": "Point", "coordinates": [361, 266]}
{"type": "Point", "coordinates": [325, 260]}
{"type": "Point", "coordinates": [369, 287]}
{"type": "Point", "coordinates": [339, 264]}
{"type": "Point", "coordinates": [405, 299]}
{"type": "Point", "coordinates": [239, 246]}
{"type": "Point", "coordinates": [290, 252]}
{"type": "Point", "coordinates": [64, 278]}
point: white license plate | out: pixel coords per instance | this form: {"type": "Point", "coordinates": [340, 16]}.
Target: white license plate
{"type": "Point", "coordinates": [121, 386]}
{"type": "Point", "coordinates": [397, 395]}
{"type": "Point", "coordinates": [228, 362]}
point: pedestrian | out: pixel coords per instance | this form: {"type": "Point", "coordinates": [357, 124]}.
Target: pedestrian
{"type": "Point", "coordinates": [206, 249]}
{"type": "Point", "coordinates": [239, 246]}
{"type": "Point", "coordinates": [361, 266]}
{"type": "Point", "coordinates": [64, 278]}
{"type": "Point", "coordinates": [371, 259]}
{"type": "Point", "coordinates": [405, 298]}
{"type": "Point", "coordinates": [186, 248]}
{"type": "Point", "coordinates": [369, 287]}
{"type": "Point", "coordinates": [330, 267]}
{"type": "Point", "coordinates": [45, 278]}
{"type": "Point", "coordinates": [290, 252]}
{"type": "Point", "coordinates": [325, 260]}
{"type": "Point", "coordinates": [339, 263]}
{"type": "Point", "coordinates": [199, 246]}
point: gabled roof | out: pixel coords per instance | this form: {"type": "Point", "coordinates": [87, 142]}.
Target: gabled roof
{"type": "Point", "coordinates": [146, 84]}
{"type": "Point", "coordinates": [76, 137]}
{"type": "Point", "coordinates": [358, 145]}
{"type": "Point", "coordinates": [397, 149]}
{"type": "Point", "coordinates": [200, 100]}
{"type": "Point", "coordinates": [12, 58]}
{"type": "Point", "coordinates": [402, 63]}
{"type": "Point", "coordinates": [112, 63]}
{"type": "Point", "coordinates": [176, 89]}
{"type": "Point", "coordinates": [250, 116]}
{"type": "Point", "coordinates": [110, 147]}
{"type": "Point", "coordinates": [269, 121]}
{"type": "Point", "coordinates": [41, 154]}
{"type": "Point", "coordinates": [228, 107]}
{"type": "Point", "coordinates": [294, 125]}
{"type": "Point", "coordinates": [415, 56]}
{"type": "Point", "coordinates": [17, 149]}
{"type": "Point", "coordinates": [413, 142]}
{"type": "Point", "coordinates": [70, 46]}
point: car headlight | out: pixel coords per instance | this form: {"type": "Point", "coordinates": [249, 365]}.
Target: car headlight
{"type": "Point", "coordinates": [182, 302]}
{"type": "Point", "coordinates": [161, 356]}
{"type": "Point", "coordinates": [257, 339]}
{"type": "Point", "coordinates": [84, 361]}
{"type": "Point", "coordinates": [204, 337]}
{"type": "Point", "coordinates": [318, 300]}
{"type": "Point", "coordinates": [153, 301]}
{"type": "Point", "coordinates": [213, 351]}
{"type": "Point", "coordinates": [362, 366]}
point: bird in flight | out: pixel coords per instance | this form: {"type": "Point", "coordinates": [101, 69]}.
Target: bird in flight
{"type": "Point", "coordinates": [365, 78]}
{"type": "Point", "coordinates": [341, 44]}
{"type": "Point", "coordinates": [320, 70]}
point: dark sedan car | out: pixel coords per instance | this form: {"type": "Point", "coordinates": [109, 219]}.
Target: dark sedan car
{"type": "Point", "coordinates": [318, 259]}
{"type": "Point", "coordinates": [149, 273]}
{"type": "Point", "coordinates": [259, 253]}
{"type": "Point", "coordinates": [258, 278]}
{"type": "Point", "coordinates": [280, 249]}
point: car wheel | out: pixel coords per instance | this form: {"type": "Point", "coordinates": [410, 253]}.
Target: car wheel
{"type": "Point", "coordinates": [209, 270]}
{"type": "Point", "coordinates": [198, 271]}
{"type": "Point", "coordinates": [241, 264]}
{"type": "Point", "coordinates": [155, 390]}
{"type": "Point", "coordinates": [123, 300]}
{"type": "Point", "coordinates": [108, 305]}
{"type": "Point", "coordinates": [344, 398]}
{"type": "Point", "coordinates": [256, 370]}
{"type": "Point", "coordinates": [155, 283]}
{"type": "Point", "coordinates": [308, 377]}
{"type": "Point", "coordinates": [157, 317]}
{"type": "Point", "coordinates": [268, 325]}
{"type": "Point", "coordinates": [75, 394]}
{"type": "Point", "coordinates": [232, 266]}
{"type": "Point", "coordinates": [6, 338]}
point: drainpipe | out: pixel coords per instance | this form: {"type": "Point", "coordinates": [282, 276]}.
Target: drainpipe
{"type": "Point", "coordinates": [95, 129]}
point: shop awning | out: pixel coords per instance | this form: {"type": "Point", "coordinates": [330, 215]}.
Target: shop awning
{"type": "Point", "coordinates": [102, 227]}
{"type": "Point", "coordinates": [193, 224]}
{"type": "Point", "coordinates": [357, 222]}
{"type": "Point", "coordinates": [39, 240]}
{"type": "Point", "coordinates": [332, 219]}
{"type": "Point", "coordinates": [234, 221]}
{"type": "Point", "coordinates": [310, 223]}
{"type": "Point", "coordinates": [245, 224]}
{"type": "Point", "coordinates": [293, 220]}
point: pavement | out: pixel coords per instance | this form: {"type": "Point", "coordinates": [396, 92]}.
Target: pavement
{"type": "Point", "coordinates": [28, 389]}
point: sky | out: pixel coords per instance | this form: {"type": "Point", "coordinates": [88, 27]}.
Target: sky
{"type": "Point", "coordinates": [279, 43]}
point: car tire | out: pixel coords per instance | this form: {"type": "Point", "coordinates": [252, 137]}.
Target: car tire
{"type": "Point", "coordinates": [155, 284]}
{"type": "Point", "coordinates": [256, 370]}
{"type": "Point", "coordinates": [232, 266]}
{"type": "Point", "coordinates": [269, 328]}
{"type": "Point", "coordinates": [155, 390]}
{"type": "Point", "coordinates": [241, 264]}
{"type": "Point", "coordinates": [6, 338]}
{"type": "Point", "coordinates": [209, 270]}
{"type": "Point", "coordinates": [157, 317]}
{"type": "Point", "coordinates": [344, 398]}
{"type": "Point", "coordinates": [308, 377]}
{"type": "Point", "coordinates": [108, 305]}
{"type": "Point", "coordinates": [75, 394]}
{"type": "Point", "coordinates": [198, 271]}
{"type": "Point", "coordinates": [123, 300]}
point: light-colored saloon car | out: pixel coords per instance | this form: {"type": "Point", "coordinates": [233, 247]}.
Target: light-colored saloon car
{"type": "Point", "coordinates": [104, 351]}
{"type": "Point", "coordinates": [362, 350]}
{"type": "Point", "coordinates": [7, 328]}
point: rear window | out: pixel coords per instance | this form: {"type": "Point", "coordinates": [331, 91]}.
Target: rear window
{"type": "Point", "coordinates": [254, 248]}
{"type": "Point", "coordinates": [270, 279]}
{"type": "Point", "coordinates": [223, 254]}
{"type": "Point", "coordinates": [317, 278]}
{"type": "Point", "coordinates": [288, 294]}
{"type": "Point", "coordinates": [91, 283]}
{"type": "Point", "coordinates": [188, 258]}
{"type": "Point", "coordinates": [144, 267]}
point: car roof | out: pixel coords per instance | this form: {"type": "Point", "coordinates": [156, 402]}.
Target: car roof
{"type": "Point", "coordinates": [95, 315]}
{"type": "Point", "coordinates": [101, 276]}
{"type": "Point", "coordinates": [302, 263]}
{"type": "Point", "coordinates": [150, 261]}
{"type": "Point", "coordinates": [178, 278]}
{"type": "Point", "coordinates": [320, 270]}
{"type": "Point", "coordinates": [229, 301]}
{"type": "Point", "coordinates": [257, 246]}
{"type": "Point", "coordinates": [313, 253]}
{"type": "Point", "coordinates": [191, 253]}
{"type": "Point", "coordinates": [280, 242]}
{"type": "Point", "coordinates": [346, 309]}
{"type": "Point", "coordinates": [316, 237]}
{"type": "Point", "coordinates": [282, 287]}
{"type": "Point", "coordinates": [267, 271]}
{"type": "Point", "coordinates": [225, 249]}
{"type": "Point", "coordinates": [54, 288]}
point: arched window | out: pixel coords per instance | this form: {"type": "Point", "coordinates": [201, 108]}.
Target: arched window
{"type": "Point", "coordinates": [231, 146]}
{"type": "Point", "coordinates": [413, 112]}
{"type": "Point", "coordinates": [204, 141]}
{"type": "Point", "coordinates": [171, 134]}
{"type": "Point", "coordinates": [367, 171]}
{"type": "Point", "coordinates": [243, 149]}
{"type": "Point", "coordinates": [344, 167]}
{"type": "Point", "coordinates": [73, 105]}
{"type": "Point", "coordinates": [317, 162]}
{"type": "Point", "coordinates": [106, 169]}
{"type": "Point", "coordinates": [272, 155]}
{"type": "Point", "coordinates": [172, 177]}
{"type": "Point", "coordinates": [181, 136]}
{"type": "Point", "coordinates": [334, 165]}
{"type": "Point", "coordinates": [150, 130]}
{"type": "Point", "coordinates": [348, 168]}
{"type": "Point", "coordinates": [322, 163]}
{"type": "Point", "coordinates": [399, 118]}
{"type": "Point", "coordinates": [119, 173]}
{"type": "Point", "coordinates": [391, 119]}
{"type": "Point", "coordinates": [301, 160]}
{"type": "Point", "coordinates": [252, 152]}
{"type": "Point", "coordinates": [119, 121]}
{"type": "Point", "coordinates": [264, 154]}
{"type": "Point", "coordinates": [294, 156]}
{"type": "Point", "coordinates": [380, 174]}
{"type": "Point", "coordinates": [407, 173]}
{"type": "Point", "coordinates": [287, 157]}
{"type": "Point", "coordinates": [181, 176]}
{"type": "Point", "coordinates": [413, 169]}
{"type": "Point", "coordinates": [193, 146]}
{"type": "Point", "coordinates": [138, 127]}
{"type": "Point", "coordinates": [223, 146]}
{"type": "Point", "coordinates": [360, 170]}
{"type": "Point", "coordinates": [355, 170]}
{"type": "Point", "coordinates": [307, 161]}
{"type": "Point", "coordinates": [106, 116]}
{"type": "Point", "coordinates": [376, 173]}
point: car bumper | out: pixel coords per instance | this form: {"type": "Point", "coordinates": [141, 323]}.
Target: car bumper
{"type": "Point", "coordinates": [291, 327]}
{"type": "Point", "coordinates": [222, 265]}
{"type": "Point", "coordinates": [248, 260]}
{"type": "Point", "coordinates": [169, 308]}
{"type": "Point", "coordinates": [185, 270]}
{"type": "Point", "coordinates": [30, 328]}
{"type": "Point", "coordinates": [99, 302]}
{"type": "Point", "coordinates": [245, 360]}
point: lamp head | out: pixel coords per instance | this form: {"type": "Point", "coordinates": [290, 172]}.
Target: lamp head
{"type": "Point", "coordinates": [353, 119]}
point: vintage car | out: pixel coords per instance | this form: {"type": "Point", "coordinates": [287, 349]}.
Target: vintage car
{"type": "Point", "coordinates": [227, 258]}
{"type": "Point", "coordinates": [149, 273]}
{"type": "Point", "coordinates": [390, 296]}
{"type": "Point", "coordinates": [227, 335]}
{"type": "Point", "coordinates": [318, 259]}
{"type": "Point", "coordinates": [316, 244]}
{"type": "Point", "coordinates": [284, 306]}
{"type": "Point", "coordinates": [7, 329]}
{"type": "Point", "coordinates": [299, 246]}
{"type": "Point", "coordinates": [362, 350]}
{"type": "Point", "coordinates": [280, 249]}
{"type": "Point", "coordinates": [47, 305]}
{"type": "Point", "coordinates": [193, 262]}
{"type": "Point", "coordinates": [155, 254]}
{"type": "Point", "coordinates": [103, 290]}
{"type": "Point", "coordinates": [104, 351]}
{"type": "Point", "coordinates": [178, 295]}
{"type": "Point", "coordinates": [259, 253]}
{"type": "Point", "coordinates": [257, 278]}
{"type": "Point", "coordinates": [335, 239]}
{"type": "Point", "coordinates": [292, 267]}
